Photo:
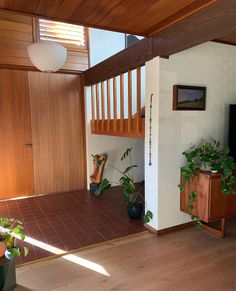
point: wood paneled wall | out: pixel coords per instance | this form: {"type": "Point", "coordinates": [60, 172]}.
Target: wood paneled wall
{"type": "Point", "coordinates": [58, 128]}
{"type": "Point", "coordinates": [76, 61]}
{"type": "Point", "coordinates": [16, 35]}
{"type": "Point", "coordinates": [16, 170]}
{"type": "Point", "coordinates": [16, 32]}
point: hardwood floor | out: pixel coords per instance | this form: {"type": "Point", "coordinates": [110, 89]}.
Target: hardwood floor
{"type": "Point", "coordinates": [188, 260]}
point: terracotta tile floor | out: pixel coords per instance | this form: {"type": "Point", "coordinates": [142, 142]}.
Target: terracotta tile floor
{"type": "Point", "coordinates": [72, 220]}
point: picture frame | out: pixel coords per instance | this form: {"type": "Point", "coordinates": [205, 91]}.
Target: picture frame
{"type": "Point", "coordinates": [189, 97]}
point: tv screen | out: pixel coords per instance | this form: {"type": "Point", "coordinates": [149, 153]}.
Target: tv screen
{"type": "Point", "coordinates": [232, 130]}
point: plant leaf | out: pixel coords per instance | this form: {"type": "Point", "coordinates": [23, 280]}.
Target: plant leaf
{"type": "Point", "coordinates": [18, 229]}
{"type": "Point", "coordinates": [129, 168]}
{"type": "Point", "coordinates": [147, 217]}
{"type": "Point", "coordinates": [26, 251]}
{"type": "Point", "coordinates": [126, 153]}
{"type": "Point", "coordinates": [22, 236]}
{"type": "Point", "coordinates": [5, 222]}
{"type": "Point", "coordinates": [149, 214]}
{"type": "Point", "coordinates": [15, 252]}
{"type": "Point", "coordinates": [104, 185]}
{"type": "Point", "coordinates": [181, 187]}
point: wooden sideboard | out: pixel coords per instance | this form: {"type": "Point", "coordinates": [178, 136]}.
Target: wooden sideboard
{"type": "Point", "coordinates": [211, 204]}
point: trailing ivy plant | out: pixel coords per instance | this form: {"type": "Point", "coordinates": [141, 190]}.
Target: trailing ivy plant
{"type": "Point", "coordinates": [131, 193]}
{"type": "Point", "coordinates": [208, 157]}
{"type": "Point", "coordinates": [11, 229]}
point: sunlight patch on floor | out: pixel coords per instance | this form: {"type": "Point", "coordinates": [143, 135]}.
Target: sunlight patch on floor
{"type": "Point", "coordinates": [69, 257]}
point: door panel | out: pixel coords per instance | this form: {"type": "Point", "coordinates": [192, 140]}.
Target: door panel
{"type": "Point", "coordinates": [16, 170]}
{"type": "Point", "coordinates": [58, 130]}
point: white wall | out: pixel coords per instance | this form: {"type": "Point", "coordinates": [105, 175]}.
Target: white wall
{"type": "Point", "coordinates": [151, 171]}
{"type": "Point", "coordinates": [114, 147]}
{"type": "Point", "coordinates": [214, 66]}
{"type": "Point", "coordinates": [104, 44]}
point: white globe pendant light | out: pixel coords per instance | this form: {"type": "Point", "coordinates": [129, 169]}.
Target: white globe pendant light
{"type": "Point", "coordinates": [47, 56]}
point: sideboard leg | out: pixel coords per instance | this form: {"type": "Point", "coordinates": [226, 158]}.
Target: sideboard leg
{"type": "Point", "coordinates": [216, 231]}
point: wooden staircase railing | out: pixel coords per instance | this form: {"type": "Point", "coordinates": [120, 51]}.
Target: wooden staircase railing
{"type": "Point", "coordinates": [105, 123]}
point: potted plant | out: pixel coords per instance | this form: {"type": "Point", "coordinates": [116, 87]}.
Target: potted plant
{"type": "Point", "coordinates": [10, 230]}
{"type": "Point", "coordinates": [132, 193]}
{"type": "Point", "coordinates": [208, 157]}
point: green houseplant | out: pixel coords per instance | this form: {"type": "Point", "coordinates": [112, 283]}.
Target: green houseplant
{"type": "Point", "coordinates": [10, 230]}
{"type": "Point", "coordinates": [208, 157]}
{"type": "Point", "coordinates": [131, 193]}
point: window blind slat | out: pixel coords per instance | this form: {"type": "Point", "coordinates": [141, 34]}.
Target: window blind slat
{"type": "Point", "coordinates": [64, 36]}
{"type": "Point", "coordinates": [60, 27]}
{"type": "Point", "coordinates": [63, 41]}
{"type": "Point", "coordinates": [61, 32]}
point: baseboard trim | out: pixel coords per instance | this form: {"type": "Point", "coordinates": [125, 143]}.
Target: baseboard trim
{"type": "Point", "coordinates": [40, 195]}
{"type": "Point", "coordinates": [176, 228]}
{"type": "Point", "coordinates": [150, 229]}
{"type": "Point", "coordinates": [110, 243]}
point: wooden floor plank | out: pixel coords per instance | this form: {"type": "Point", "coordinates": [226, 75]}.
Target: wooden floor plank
{"type": "Point", "coordinates": [187, 260]}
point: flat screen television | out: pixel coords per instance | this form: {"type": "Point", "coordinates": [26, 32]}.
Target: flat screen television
{"type": "Point", "coordinates": [232, 130]}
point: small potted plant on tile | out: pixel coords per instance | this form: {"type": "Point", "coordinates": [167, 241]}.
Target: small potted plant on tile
{"type": "Point", "coordinates": [10, 230]}
{"type": "Point", "coordinates": [132, 193]}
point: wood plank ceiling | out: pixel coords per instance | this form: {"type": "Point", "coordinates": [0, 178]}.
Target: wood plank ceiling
{"type": "Point", "coordinates": [134, 16]}
{"type": "Point", "coordinates": [214, 22]}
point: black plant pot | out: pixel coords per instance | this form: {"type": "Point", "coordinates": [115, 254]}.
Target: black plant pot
{"type": "Point", "coordinates": [7, 274]}
{"type": "Point", "coordinates": [134, 211]}
{"type": "Point", "coordinates": [93, 187]}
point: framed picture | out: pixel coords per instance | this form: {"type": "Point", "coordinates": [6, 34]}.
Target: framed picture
{"type": "Point", "coordinates": [189, 97]}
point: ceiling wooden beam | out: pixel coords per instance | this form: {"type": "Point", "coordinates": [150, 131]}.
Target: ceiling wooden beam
{"type": "Point", "coordinates": [211, 23]}
{"type": "Point", "coordinates": [183, 13]}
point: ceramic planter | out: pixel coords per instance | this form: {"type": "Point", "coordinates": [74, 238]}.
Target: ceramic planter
{"type": "Point", "coordinates": [205, 166]}
{"type": "Point", "coordinates": [134, 211]}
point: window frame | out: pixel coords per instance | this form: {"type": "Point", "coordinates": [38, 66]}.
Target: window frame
{"type": "Point", "coordinates": [69, 46]}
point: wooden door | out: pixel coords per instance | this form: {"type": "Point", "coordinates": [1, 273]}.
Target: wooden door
{"type": "Point", "coordinates": [58, 130]}
{"type": "Point", "coordinates": [16, 164]}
